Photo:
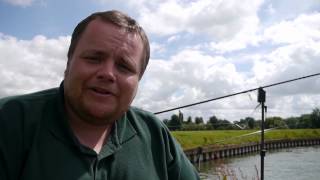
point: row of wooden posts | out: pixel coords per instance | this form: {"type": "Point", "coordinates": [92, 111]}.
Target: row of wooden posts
{"type": "Point", "coordinates": [209, 153]}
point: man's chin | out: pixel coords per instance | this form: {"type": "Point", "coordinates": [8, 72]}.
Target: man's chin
{"type": "Point", "coordinates": [102, 117]}
{"type": "Point", "coordinates": [100, 121]}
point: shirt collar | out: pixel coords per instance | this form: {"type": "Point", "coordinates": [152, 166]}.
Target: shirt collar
{"type": "Point", "coordinates": [58, 124]}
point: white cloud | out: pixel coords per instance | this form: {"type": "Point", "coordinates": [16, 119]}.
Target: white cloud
{"type": "Point", "coordinates": [305, 27]}
{"type": "Point", "coordinates": [285, 63]}
{"type": "Point", "coordinates": [22, 3]}
{"type": "Point", "coordinates": [228, 24]}
{"type": "Point", "coordinates": [231, 35]}
{"type": "Point", "coordinates": [178, 82]}
{"type": "Point", "coordinates": [297, 53]}
{"type": "Point", "coordinates": [290, 62]}
{"type": "Point", "coordinates": [220, 19]}
{"type": "Point", "coordinates": [31, 65]}
{"type": "Point", "coordinates": [156, 48]}
{"type": "Point", "coordinates": [270, 9]}
{"type": "Point", "coordinates": [173, 38]}
{"type": "Point", "coordinates": [189, 76]}
{"type": "Point", "coordinates": [287, 9]}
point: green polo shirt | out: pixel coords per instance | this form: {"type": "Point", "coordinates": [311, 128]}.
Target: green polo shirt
{"type": "Point", "coordinates": [36, 143]}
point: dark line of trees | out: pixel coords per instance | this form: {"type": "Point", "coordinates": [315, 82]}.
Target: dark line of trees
{"type": "Point", "coordinates": [177, 122]}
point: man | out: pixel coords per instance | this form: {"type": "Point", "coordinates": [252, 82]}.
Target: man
{"type": "Point", "coordinates": [86, 129]}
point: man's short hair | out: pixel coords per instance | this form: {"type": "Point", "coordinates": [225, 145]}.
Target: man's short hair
{"type": "Point", "coordinates": [117, 18]}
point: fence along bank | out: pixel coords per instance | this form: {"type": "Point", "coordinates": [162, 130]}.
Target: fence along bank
{"type": "Point", "coordinates": [208, 153]}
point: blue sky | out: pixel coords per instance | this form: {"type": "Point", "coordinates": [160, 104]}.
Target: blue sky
{"type": "Point", "coordinates": [50, 18]}
{"type": "Point", "coordinates": [199, 50]}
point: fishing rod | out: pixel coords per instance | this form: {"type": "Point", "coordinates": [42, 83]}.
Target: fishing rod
{"type": "Point", "coordinates": [234, 94]}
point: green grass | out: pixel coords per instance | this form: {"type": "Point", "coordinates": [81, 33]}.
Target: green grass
{"type": "Point", "coordinates": [193, 139]}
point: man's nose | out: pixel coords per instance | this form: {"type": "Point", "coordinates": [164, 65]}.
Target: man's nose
{"type": "Point", "coordinates": [106, 71]}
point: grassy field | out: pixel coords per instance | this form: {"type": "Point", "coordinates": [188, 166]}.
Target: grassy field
{"type": "Point", "coordinates": [192, 139]}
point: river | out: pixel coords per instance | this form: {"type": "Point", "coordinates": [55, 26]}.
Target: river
{"type": "Point", "coordinates": [302, 163]}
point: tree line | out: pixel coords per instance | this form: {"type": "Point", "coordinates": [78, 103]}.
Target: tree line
{"type": "Point", "coordinates": [304, 121]}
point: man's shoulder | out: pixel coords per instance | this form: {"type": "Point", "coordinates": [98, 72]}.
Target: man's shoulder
{"type": "Point", "coordinates": [140, 111]}
{"type": "Point", "coordinates": [39, 96]}
{"type": "Point", "coordinates": [142, 114]}
{"type": "Point", "coordinates": [145, 118]}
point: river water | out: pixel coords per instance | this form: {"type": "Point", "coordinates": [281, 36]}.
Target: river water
{"type": "Point", "coordinates": [302, 163]}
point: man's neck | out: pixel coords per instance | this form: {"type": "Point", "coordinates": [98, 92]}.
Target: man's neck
{"type": "Point", "coordinates": [89, 135]}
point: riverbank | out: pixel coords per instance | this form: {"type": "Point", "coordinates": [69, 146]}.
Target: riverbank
{"type": "Point", "coordinates": [209, 153]}
{"type": "Point", "coordinates": [194, 139]}
{"type": "Point", "coordinates": [281, 164]}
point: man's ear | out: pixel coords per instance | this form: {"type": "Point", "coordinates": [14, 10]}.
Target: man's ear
{"type": "Point", "coordinates": [66, 71]}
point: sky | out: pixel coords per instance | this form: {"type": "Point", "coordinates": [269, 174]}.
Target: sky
{"type": "Point", "coordinates": [200, 49]}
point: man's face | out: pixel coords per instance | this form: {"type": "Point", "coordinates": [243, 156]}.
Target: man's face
{"type": "Point", "coordinates": [102, 75]}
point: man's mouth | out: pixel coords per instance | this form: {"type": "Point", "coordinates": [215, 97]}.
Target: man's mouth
{"type": "Point", "coordinates": [102, 91]}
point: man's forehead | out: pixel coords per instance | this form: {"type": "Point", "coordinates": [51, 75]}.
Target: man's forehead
{"type": "Point", "coordinates": [106, 29]}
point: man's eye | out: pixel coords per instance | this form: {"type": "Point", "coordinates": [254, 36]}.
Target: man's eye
{"type": "Point", "coordinates": [124, 67]}
{"type": "Point", "coordinates": [93, 59]}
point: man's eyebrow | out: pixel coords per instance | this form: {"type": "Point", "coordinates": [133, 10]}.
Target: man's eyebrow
{"type": "Point", "coordinates": [129, 62]}
{"type": "Point", "coordinates": [94, 52]}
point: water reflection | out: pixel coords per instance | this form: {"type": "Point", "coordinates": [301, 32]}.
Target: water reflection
{"type": "Point", "coordinates": [294, 164]}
